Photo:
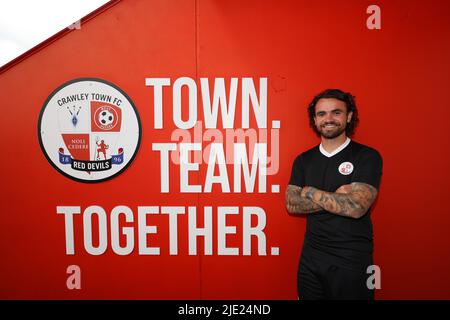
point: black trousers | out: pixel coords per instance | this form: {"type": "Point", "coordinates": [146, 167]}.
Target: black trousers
{"type": "Point", "coordinates": [321, 278]}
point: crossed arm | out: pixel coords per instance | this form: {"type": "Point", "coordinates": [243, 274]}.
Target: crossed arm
{"type": "Point", "coordinates": [350, 200]}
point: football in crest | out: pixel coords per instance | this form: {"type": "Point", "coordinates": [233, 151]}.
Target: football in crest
{"type": "Point", "coordinates": [106, 117]}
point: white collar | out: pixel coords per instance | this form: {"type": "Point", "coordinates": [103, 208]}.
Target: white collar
{"type": "Point", "coordinates": [335, 151]}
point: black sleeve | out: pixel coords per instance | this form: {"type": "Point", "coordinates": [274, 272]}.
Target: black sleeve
{"type": "Point", "coordinates": [297, 177]}
{"type": "Point", "coordinates": [369, 168]}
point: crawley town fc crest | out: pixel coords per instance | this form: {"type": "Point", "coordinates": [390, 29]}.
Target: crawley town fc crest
{"type": "Point", "coordinates": [89, 130]}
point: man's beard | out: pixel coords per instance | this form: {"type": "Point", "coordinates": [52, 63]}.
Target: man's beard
{"type": "Point", "coordinates": [331, 134]}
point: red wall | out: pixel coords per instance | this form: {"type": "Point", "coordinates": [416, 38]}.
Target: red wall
{"type": "Point", "coordinates": [399, 75]}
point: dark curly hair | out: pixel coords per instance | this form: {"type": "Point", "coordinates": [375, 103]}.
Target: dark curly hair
{"type": "Point", "coordinates": [346, 97]}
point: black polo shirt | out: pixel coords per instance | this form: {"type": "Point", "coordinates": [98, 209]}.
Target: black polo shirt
{"type": "Point", "coordinates": [343, 239]}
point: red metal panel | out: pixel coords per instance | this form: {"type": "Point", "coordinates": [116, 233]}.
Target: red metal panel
{"type": "Point", "coordinates": [399, 75]}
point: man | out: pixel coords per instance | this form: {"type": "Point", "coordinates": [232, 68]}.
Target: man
{"type": "Point", "coordinates": [335, 184]}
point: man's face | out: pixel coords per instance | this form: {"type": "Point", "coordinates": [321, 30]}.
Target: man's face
{"type": "Point", "coordinates": [331, 117]}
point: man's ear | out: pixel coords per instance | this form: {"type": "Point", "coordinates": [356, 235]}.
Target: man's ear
{"type": "Point", "coordinates": [349, 116]}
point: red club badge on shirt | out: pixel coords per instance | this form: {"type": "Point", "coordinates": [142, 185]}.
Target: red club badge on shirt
{"type": "Point", "coordinates": [345, 168]}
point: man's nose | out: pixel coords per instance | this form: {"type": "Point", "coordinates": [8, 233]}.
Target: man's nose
{"type": "Point", "coordinates": [328, 116]}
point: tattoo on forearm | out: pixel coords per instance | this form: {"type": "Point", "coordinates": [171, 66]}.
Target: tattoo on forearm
{"type": "Point", "coordinates": [353, 204]}
{"type": "Point", "coordinates": [310, 193]}
{"type": "Point", "coordinates": [339, 203]}
{"type": "Point", "coordinates": [295, 203]}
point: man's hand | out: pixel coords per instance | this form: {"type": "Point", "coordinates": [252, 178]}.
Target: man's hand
{"type": "Point", "coordinates": [295, 203]}
{"type": "Point", "coordinates": [345, 188]}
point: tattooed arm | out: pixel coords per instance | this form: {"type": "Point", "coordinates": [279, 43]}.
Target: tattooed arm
{"type": "Point", "coordinates": [295, 203]}
{"type": "Point", "coordinates": [350, 200]}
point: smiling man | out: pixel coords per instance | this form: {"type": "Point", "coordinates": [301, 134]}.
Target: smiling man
{"type": "Point", "coordinates": [335, 185]}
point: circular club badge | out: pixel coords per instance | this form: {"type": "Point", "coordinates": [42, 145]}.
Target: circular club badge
{"type": "Point", "coordinates": [345, 168]}
{"type": "Point", "coordinates": [89, 130]}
